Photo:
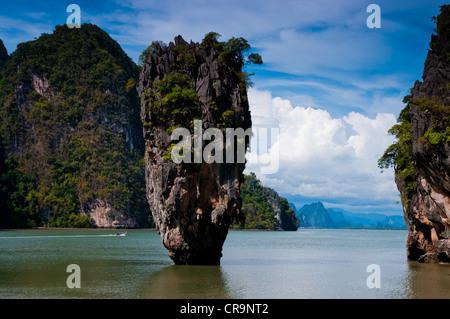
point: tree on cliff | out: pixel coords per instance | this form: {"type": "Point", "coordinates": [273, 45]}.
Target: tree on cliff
{"type": "Point", "coordinates": [420, 153]}
{"type": "Point", "coordinates": [70, 131]}
{"type": "Point", "coordinates": [263, 208]}
{"type": "Point", "coordinates": [180, 84]}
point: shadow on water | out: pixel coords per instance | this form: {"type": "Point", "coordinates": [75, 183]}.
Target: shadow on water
{"type": "Point", "coordinates": [180, 282]}
{"type": "Point", "coordinates": [428, 280]}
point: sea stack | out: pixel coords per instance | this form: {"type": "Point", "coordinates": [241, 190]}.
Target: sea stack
{"type": "Point", "coordinates": [421, 157]}
{"type": "Point", "coordinates": [193, 203]}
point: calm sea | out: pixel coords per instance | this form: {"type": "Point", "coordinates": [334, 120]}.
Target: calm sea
{"type": "Point", "coordinates": [309, 263]}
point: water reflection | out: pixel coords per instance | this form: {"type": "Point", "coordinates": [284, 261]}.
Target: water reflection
{"type": "Point", "coordinates": [179, 282]}
{"type": "Point", "coordinates": [309, 264]}
{"type": "Point", "coordinates": [428, 280]}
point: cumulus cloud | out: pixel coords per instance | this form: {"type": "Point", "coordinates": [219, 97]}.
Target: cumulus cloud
{"type": "Point", "coordinates": [325, 157]}
{"type": "Point", "coordinates": [331, 85]}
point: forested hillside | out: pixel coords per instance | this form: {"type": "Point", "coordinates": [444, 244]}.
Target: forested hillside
{"type": "Point", "coordinates": [263, 208]}
{"type": "Point", "coordinates": [71, 145]}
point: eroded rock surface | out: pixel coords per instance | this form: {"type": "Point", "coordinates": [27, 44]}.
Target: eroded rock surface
{"type": "Point", "coordinates": [193, 204]}
{"type": "Point", "coordinates": [427, 211]}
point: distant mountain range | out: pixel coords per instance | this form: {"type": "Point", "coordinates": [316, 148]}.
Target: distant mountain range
{"type": "Point", "coordinates": [315, 215]}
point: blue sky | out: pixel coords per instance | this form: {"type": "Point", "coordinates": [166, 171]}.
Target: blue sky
{"type": "Point", "coordinates": [332, 85]}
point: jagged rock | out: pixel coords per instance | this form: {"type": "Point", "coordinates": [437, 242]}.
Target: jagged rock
{"type": "Point", "coordinates": [443, 249]}
{"type": "Point", "coordinates": [285, 219]}
{"type": "Point", "coordinates": [104, 215]}
{"type": "Point", "coordinates": [42, 86]}
{"type": "Point", "coordinates": [70, 122]}
{"type": "Point", "coordinates": [192, 204]}
{"type": "Point", "coordinates": [315, 215]}
{"type": "Point", "coordinates": [264, 208]}
{"type": "Point", "coordinates": [428, 214]}
{"type": "Point", "coordinates": [429, 258]}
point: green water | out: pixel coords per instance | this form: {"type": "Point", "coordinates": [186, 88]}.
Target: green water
{"type": "Point", "coordinates": [255, 264]}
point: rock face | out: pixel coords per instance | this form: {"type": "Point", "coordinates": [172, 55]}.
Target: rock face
{"type": "Point", "coordinates": [284, 215]}
{"type": "Point", "coordinates": [104, 215]}
{"type": "Point", "coordinates": [274, 201]}
{"type": "Point", "coordinates": [193, 204]}
{"type": "Point", "coordinates": [70, 133]}
{"type": "Point", "coordinates": [427, 206]}
{"type": "Point", "coordinates": [263, 208]}
{"type": "Point", "coordinates": [315, 215]}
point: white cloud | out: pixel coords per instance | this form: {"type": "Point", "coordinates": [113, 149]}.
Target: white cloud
{"type": "Point", "coordinates": [325, 157]}
{"type": "Point", "coordinates": [323, 53]}
{"type": "Point", "coordinates": [371, 138]}
{"type": "Point", "coordinates": [16, 30]}
{"type": "Point", "coordinates": [319, 57]}
{"type": "Point", "coordinates": [138, 22]}
{"type": "Point", "coordinates": [370, 95]}
{"type": "Point", "coordinates": [263, 112]}
{"type": "Point", "coordinates": [307, 133]}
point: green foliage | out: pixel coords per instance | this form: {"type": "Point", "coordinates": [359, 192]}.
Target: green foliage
{"type": "Point", "coordinates": [234, 51]}
{"type": "Point", "coordinates": [19, 204]}
{"type": "Point", "coordinates": [226, 119]}
{"type": "Point", "coordinates": [442, 23]}
{"type": "Point", "coordinates": [152, 47]}
{"type": "Point", "coordinates": [255, 58]}
{"type": "Point", "coordinates": [258, 211]}
{"type": "Point", "coordinates": [71, 220]}
{"type": "Point", "coordinates": [211, 40]}
{"type": "Point", "coordinates": [233, 56]}
{"type": "Point", "coordinates": [167, 155]}
{"type": "Point", "coordinates": [173, 101]}
{"type": "Point", "coordinates": [439, 132]}
{"type": "Point", "coordinates": [406, 99]}
{"type": "Point", "coordinates": [131, 84]}
{"type": "Point", "coordinates": [436, 138]}
{"type": "Point", "coordinates": [289, 219]}
{"type": "Point", "coordinates": [172, 81]}
{"type": "Point", "coordinates": [80, 142]}
{"type": "Point", "coordinates": [185, 59]}
{"type": "Point", "coordinates": [399, 154]}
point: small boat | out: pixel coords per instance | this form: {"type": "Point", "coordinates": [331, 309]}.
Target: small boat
{"type": "Point", "coordinates": [121, 234]}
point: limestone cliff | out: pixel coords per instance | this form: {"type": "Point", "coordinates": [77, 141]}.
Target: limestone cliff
{"type": "Point", "coordinates": [263, 208]}
{"type": "Point", "coordinates": [285, 217]}
{"type": "Point", "coordinates": [70, 133]}
{"type": "Point", "coordinates": [3, 54]}
{"type": "Point", "coordinates": [422, 155]}
{"type": "Point", "coordinates": [194, 203]}
{"type": "Point", "coordinates": [315, 215]}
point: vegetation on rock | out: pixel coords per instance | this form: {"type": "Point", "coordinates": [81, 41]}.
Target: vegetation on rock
{"type": "Point", "coordinates": [399, 154]}
{"type": "Point", "coordinates": [70, 131]}
{"type": "Point", "coordinates": [258, 204]}
{"type": "Point", "coordinates": [420, 153]}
